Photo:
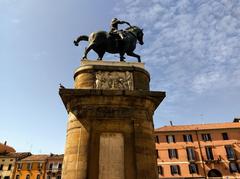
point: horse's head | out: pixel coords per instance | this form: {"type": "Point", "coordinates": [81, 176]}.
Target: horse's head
{"type": "Point", "coordinates": [138, 33]}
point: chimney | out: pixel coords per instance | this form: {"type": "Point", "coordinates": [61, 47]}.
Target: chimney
{"type": "Point", "coordinates": [5, 143]}
{"type": "Point", "coordinates": [236, 119]}
{"type": "Point", "coordinates": [171, 123]}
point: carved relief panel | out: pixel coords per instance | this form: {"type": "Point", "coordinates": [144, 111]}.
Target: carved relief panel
{"type": "Point", "coordinates": [114, 80]}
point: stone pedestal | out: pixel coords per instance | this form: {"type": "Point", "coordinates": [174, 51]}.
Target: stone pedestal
{"type": "Point", "coordinates": [110, 125]}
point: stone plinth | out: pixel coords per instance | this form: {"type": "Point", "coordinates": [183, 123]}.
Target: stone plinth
{"type": "Point", "coordinates": [110, 126]}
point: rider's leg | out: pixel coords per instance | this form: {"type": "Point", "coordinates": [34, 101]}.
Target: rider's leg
{"type": "Point", "coordinates": [121, 35]}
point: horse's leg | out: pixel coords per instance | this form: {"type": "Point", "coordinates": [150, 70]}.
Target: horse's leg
{"type": "Point", "coordinates": [100, 55]}
{"type": "Point", "coordinates": [122, 56]}
{"type": "Point", "coordinates": [90, 47]}
{"type": "Point", "coordinates": [134, 55]}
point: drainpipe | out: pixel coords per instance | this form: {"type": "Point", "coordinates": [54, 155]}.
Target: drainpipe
{"type": "Point", "coordinates": [201, 154]}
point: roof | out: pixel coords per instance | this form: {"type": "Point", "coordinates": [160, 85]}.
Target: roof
{"type": "Point", "coordinates": [210, 126]}
{"type": "Point", "coordinates": [6, 149]}
{"type": "Point", "coordinates": [36, 158]}
{"type": "Point", "coordinates": [17, 155]}
{"type": "Point", "coordinates": [55, 157]}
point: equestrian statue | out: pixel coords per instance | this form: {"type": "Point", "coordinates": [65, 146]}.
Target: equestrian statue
{"type": "Point", "coordinates": [115, 41]}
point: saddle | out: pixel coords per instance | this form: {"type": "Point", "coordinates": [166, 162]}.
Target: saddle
{"type": "Point", "coordinates": [118, 35]}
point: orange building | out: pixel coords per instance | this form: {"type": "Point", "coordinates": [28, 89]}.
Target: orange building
{"type": "Point", "coordinates": [32, 167]}
{"type": "Point", "coordinates": [8, 163]}
{"type": "Point", "coordinates": [54, 166]}
{"type": "Point", "coordinates": [199, 151]}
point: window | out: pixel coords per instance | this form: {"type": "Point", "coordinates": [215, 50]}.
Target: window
{"type": "Point", "coordinates": [28, 177]}
{"type": "Point", "coordinates": [157, 139]}
{"type": "Point", "coordinates": [9, 166]}
{"type": "Point", "coordinates": [175, 169]}
{"type": "Point", "coordinates": [233, 167]}
{"type": "Point", "coordinates": [29, 166]}
{"type": "Point", "coordinates": [193, 168]}
{"type": "Point", "coordinates": [187, 138]}
{"type": "Point", "coordinates": [17, 177]}
{"type": "Point", "coordinates": [39, 166]}
{"type": "Point", "coordinates": [60, 166]}
{"type": "Point", "coordinates": [225, 136]}
{"type": "Point", "coordinates": [172, 153]}
{"type": "Point", "coordinates": [157, 154]}
{"type": "Point", "coordinates": [206, 137]}
{"type": "Point", "coordinates": [160, 170]}
{"type": "Point", "coordinates": [38, 176]}
{"type": "Point", "coordinates": [230, 152]}
{"type": "Point", "coordinates": [48, 177]}
{"type": "Point", "coordinates": [170, 138]}
{"type": "Point", "coordinates": [58, 177]}
{"type": "Point", "coordinates": [190, 153]}
{"type": "Point", "coordinates": [19, 166]}
{"type": "Point", "coordinates": [1, 167]}
{"type": "Point", "coordinates": [209, 153]}
{"type": "Point", "coordinates": [50, 166]}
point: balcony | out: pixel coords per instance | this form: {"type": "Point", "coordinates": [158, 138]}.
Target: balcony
{"type": "Point", "coordinates": [54, 170]}
{"type": "Point", "coordinates": [214, 159]}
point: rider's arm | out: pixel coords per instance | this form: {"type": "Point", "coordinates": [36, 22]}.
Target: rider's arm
{"type": "Point", "coordinates": [124, 22]}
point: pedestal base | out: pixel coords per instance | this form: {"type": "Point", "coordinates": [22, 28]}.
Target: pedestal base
{"type": "Point", "coordinates": [110, 134]}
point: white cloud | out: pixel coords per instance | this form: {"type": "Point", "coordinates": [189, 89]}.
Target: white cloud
{"type": "Point", "coordinates": [191, 45]}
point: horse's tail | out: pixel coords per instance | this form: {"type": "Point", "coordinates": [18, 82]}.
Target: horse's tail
{"type": "Point", "coordinates": [80, 38]}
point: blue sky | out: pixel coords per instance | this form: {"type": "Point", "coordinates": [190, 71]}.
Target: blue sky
{"type": "Point", "coordinates": [191, 50]}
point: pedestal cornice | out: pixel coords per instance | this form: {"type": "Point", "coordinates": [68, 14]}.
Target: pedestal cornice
{"type": "Point", "coordinates": [68, 95]}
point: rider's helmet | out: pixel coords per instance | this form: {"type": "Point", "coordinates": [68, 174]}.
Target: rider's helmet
{"type": "Point", "coordinates": [114, 20]}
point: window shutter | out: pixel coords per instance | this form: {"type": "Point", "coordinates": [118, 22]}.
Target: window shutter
{"type": "Point", "coordinates": [178, 168]}
{"type": "Point", "coordinates": [209, 137]}
{"type": "Point", "coordinates": [167, 139]}
{"type": "Point", "coordinates": [169, 153]}
{"type": "Point", "coordinates": [191, 138]}
{"type": "Point", "coordinates": [185, 138]}
{"type": "Point", "coordinates": [171, 167]}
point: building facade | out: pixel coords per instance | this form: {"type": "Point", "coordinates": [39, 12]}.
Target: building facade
{"type": "Point", "coordinates": [32, 167]}
{"type": "Point", "coordinates": [54, 166]}
{"type": "Point", "coordinates": [199, 151]}
{"type": "Point", "coordinates": [8, 163]}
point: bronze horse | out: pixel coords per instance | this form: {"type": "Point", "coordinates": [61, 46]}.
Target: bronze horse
{"type": "Point", "coordinates": [102, 42]}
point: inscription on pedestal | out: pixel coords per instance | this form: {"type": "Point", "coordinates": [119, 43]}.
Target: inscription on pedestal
{"type": "Point", "coordinates": [111, 156]}
{"type": "Point", "coordinates": [104, 112]}
{"type": "Point", "coordinates": [114, 80]}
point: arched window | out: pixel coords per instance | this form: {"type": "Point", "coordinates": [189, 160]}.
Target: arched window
{"type": "Point", "coordinates": [28, 177]}
{"type": "Point", "coordinates": [17, 176]}
{"type": "Point", "coordinates": [38, 176]}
